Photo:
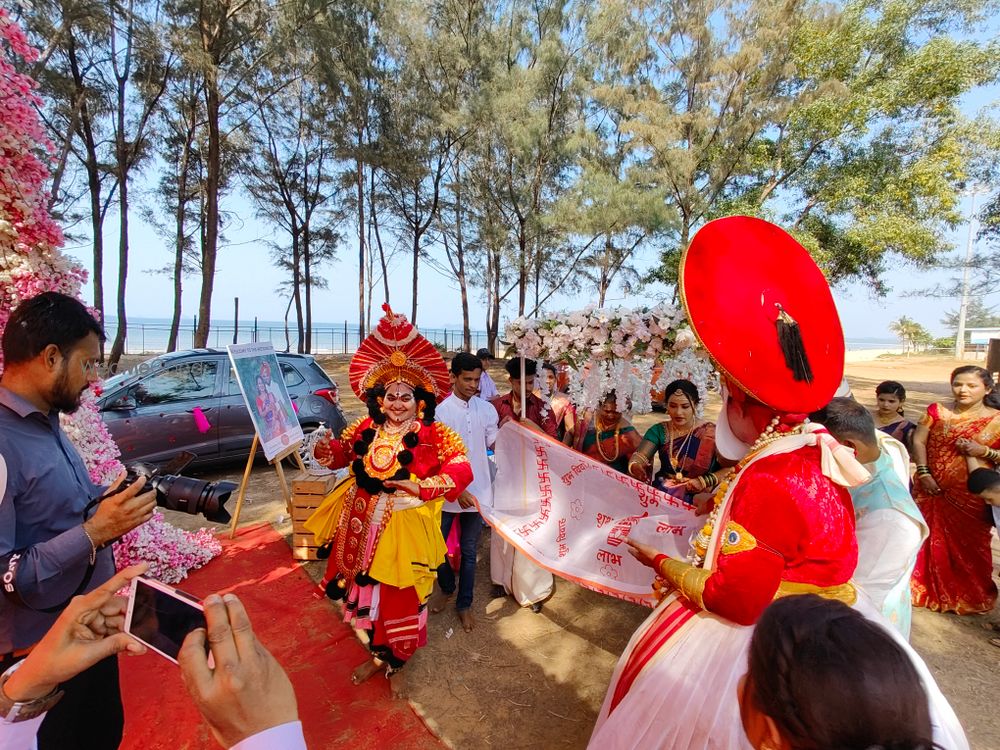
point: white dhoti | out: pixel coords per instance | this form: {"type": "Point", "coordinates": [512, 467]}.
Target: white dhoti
{"type": "Point", "coordinates": [684, 696]}
{"type": "Point", "coordinates": [522, 579]}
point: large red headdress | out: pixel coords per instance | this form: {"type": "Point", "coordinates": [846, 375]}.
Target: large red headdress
{"type": "Point", "coordinates": [395, 352]}
{"type": "Point", "coordinates": [759, 304]}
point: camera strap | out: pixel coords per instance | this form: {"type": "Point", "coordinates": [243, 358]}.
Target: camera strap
{"type": "Point", "coordinates": [9, 583]}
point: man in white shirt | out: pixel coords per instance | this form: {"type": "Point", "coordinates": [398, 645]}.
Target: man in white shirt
{"type": "Point", "coordinates": [475, 420]}
{"type": "Point", "coordinates": [487, 387]}
{"type": "Point", "coordinates": [890, 528]}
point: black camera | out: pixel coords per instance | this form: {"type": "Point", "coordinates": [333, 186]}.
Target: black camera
{"type": "Point", "coordinates": [184, 494]}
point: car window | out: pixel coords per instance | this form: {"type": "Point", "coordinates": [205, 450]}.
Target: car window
{"type": "Point", "coordinates": [320, 373]}
{"type": "Point", "coordinates": [290, 375]}
{"type": "Point", "coordinates": [183, 382]}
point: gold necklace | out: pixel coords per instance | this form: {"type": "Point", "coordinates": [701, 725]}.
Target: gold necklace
{"type": "Point", "coordinates": [675, 461]}
{"type": "Point", "coordinates": [597, 441]}
{"type": "Point", "coordinates": [382, 458]}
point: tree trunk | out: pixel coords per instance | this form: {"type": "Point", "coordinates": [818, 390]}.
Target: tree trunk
{"type": "Point", "coordinates": [463, 285]}
{"type": "Point", "coordinates": [378, 242]}
{"type": "Point", "coordinates": [210, 35]}
{"type": "Point", "coordinates": [122, 156]}
{"type": "Point", "coordinates": [297, 289]}
{"type": "Point", "coordinates": [522, 269]}
{"type": "Point", "coordinates": [360, 173]}
{"type": "Point", "coordinates": [96, 215]}
{"type": "Point", "coordinates": [307, 281]}
{"type": "Point", "coordinates": [179, 221]}
{"type": "Point", "coordinates": [416, 268]}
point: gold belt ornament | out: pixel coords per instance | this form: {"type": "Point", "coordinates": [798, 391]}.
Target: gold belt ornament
{"type": "Point", "coordinates": [845, 592]}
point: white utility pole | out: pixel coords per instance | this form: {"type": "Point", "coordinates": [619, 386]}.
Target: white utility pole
{"type": "Point", "coordinates": [963, 309]}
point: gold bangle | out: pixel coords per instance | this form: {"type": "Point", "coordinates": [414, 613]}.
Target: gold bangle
{"type": "Point", "coordinates": [687, 579]}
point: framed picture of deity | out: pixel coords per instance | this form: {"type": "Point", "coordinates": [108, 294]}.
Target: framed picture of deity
{"type": "Point", "coordinates": [259, 376]}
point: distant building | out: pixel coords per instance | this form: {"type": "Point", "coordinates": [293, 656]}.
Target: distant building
{"type": "Point", "coordinates": [981, 336]}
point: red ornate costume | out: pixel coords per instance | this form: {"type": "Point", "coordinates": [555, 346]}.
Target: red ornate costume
{"type": "Point", "coordinates": [783, 522]}
{"type": "Point", "coordinates": [385, 546]}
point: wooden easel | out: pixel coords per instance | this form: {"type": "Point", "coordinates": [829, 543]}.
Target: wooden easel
{"type": "Point", "coordinates": [292, 450]}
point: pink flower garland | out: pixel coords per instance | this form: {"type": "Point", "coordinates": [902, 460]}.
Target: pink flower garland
{"type": "Point", "coordinates": [31, 263]}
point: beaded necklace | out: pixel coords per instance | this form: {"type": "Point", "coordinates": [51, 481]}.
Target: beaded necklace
{"type": "Point", "coordinates": [701, 540]}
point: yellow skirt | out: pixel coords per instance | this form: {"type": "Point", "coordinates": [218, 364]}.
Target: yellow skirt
{"type": "Point", "coordinates": [409, 550]}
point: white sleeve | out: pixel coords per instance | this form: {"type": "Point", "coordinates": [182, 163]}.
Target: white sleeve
{"type": "Point", "coordinates": [282, 737]}
{"type": "Point", "coordinates": [19, 735]}
{"type": "Point", "coordinates": [491, 418]}
{"type": "Point", "coordinates": [887, 544]}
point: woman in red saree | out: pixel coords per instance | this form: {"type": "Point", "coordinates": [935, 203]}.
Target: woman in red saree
{"type": "Point", "coordinates": [954, 570]}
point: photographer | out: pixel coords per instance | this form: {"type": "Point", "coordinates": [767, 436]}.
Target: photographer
{"type": "Point", "coordinates": [50, 549]}
{"type": "Point", "coordinates": [248, 703]}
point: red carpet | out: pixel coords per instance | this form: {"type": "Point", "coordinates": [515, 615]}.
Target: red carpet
{"type": "Point", "coordinates": [305, 634]}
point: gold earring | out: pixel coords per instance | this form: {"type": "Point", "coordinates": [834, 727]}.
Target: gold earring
{"type": "Point", "coordinates": [420, 414]}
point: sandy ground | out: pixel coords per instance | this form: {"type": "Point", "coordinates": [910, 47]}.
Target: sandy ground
{"type": "Point", "coordinates": [522, 680]}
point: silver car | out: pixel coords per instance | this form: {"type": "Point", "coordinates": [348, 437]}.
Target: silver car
{"type": "Point", "coordinates": [149, 410]}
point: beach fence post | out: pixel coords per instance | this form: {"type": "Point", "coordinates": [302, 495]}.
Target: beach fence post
{"type": "Point", "coordinates": [236, 318]}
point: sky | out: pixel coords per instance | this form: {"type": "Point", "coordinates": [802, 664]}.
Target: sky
{"type": "Point", "coordinates": [245, 271]}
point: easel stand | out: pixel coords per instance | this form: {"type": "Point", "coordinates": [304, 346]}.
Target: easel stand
{"type": "Point", "coordinates": [292, 450]}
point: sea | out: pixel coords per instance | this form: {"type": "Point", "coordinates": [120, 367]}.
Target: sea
{"type": "Point", "coordinates": [150, 336]}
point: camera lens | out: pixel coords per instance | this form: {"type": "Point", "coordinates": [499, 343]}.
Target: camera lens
{"type": "Point", "coordinates": [194, 496]}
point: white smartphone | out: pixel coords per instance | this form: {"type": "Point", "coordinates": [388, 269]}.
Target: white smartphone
{"type": "Point", "coordinates": [161, 617]}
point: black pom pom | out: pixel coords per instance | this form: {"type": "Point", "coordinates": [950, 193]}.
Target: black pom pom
{"type": "Point", "coordinates": [360, 447]}
{"type": "Point", "coordinates": [358, 466]}
{"type": "Point", "coordinates": [405, 457]}
{"type": "Point", "coordinates": [363, 579]}
{"type": "Point", "coordinates": [401, 474]}
{"type": "Point", "coordinates": [792, 347]}
{"type": "Point", "coordinates": [411, 440]}
{"type": "Point", "coordinates": [334, 591]}
{"type": "Point", "coordinates": [323, 552]}
{"type": "Point", "coordinates": [368, 435]}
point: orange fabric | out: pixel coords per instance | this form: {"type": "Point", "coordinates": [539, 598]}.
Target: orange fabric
{"type": "Point", "coordinates": [954, 571]}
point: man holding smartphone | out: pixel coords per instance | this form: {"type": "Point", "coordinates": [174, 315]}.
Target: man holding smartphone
{"type": "Point", "coordinates": [53, 544]}
{"type": "Point", "coordinates": [247, 699]}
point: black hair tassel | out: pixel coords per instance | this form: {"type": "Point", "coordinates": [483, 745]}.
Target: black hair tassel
{"type": "Point", "coordinates": [792, 347]}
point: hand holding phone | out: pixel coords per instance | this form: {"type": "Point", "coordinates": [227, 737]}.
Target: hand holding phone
{"type": "Point", "coordinates": [161, 617]}
{"type": "Point", "coordinates": [87, 631]}
{"type": "Point", "coordinates": [247, 691]}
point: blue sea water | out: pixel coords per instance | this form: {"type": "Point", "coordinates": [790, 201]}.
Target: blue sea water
{"type": "Point", "coordinates": [150, 336]}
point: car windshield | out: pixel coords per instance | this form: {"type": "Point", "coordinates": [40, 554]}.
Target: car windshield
{"type": "Point", "coordinates": [117, 380]}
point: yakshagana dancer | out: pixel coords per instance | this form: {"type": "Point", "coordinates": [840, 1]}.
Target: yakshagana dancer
{"type": "Point", "coordinates": [782, 523]}
{"type": "Point", "coordinates": [382, 526]}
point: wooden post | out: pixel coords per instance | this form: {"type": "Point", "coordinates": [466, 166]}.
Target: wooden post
{"type": "Point", "coordinates": [524, 398]}
{"type": "Point", "coordinates": [279, 470]}
{"type": "Point", "coordinates": [236, 318]}
{"type": "Point", "coordinates": [243, 485]}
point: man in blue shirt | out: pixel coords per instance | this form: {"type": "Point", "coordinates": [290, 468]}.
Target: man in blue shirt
{"type": "Point", "coordinates": [53, 543]}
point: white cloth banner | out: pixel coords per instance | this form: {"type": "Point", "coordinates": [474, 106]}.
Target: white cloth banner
{"type": "Point", "coordinates": [571, 515]}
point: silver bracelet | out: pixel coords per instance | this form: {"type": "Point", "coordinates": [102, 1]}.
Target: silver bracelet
{"type": "Point", "coordinates": [93, 547]}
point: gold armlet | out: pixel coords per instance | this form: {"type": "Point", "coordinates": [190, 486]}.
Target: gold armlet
{"type": "Point", "coordinates": [687, 579]}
